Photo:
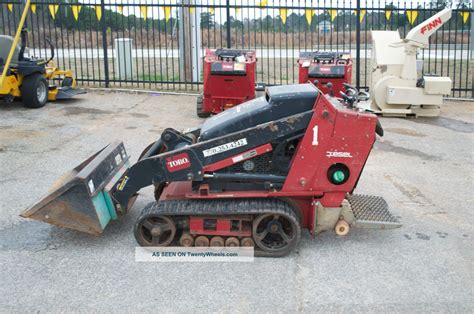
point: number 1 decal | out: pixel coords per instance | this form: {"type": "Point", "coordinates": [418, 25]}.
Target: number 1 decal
{"type": "Point", "coordinates": [315, 135]}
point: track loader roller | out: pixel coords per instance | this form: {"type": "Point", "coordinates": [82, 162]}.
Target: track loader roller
{"type": "Point", "coordinates": [254, 175]}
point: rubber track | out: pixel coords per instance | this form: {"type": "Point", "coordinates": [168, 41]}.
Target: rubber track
{"type": "Point", "coordinates": [226, 207]}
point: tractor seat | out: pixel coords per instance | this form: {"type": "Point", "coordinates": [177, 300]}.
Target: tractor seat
{"type": "Point", "coordinates": [5, 45]}
{"type": "Point", "coordinates": [278, 102]}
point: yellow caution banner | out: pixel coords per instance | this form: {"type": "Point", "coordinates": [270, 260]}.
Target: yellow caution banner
{"type": "Point", "coordinates": [309, 15]}
{"type": "Point", "coordinates": [120, 9]}
{"type": "Point", "coordinates": [388, 14]}
{"type": "Point", "coordinates": [144, 11]}
{"type": "Point", "coordinates": [33, 8]}
{"type": "Point", "coordinates": [76, 9]}
{"type": "Point", "coordinates": [98, 12]}
{"type": "Point", "coordinates": [10, 7]}
{"type": "Point", "coordinates": [412, 15]}
{"type": "Point", "coordinates": [283, 14]}
{"type": "Point", "coordinates": [53, 9]}
{"type": "Point", "coordinates": [362, 14]}
{"type": "Point", "coordinates": [465, 16]}
{"type": "Point", "coordinates": [167, 11]}
{"type": "Point", "coordinates": [332, 14]}
{"type": "Point", "coordinates": [263, 4]}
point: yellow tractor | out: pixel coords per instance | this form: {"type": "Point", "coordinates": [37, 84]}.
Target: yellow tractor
{"type": "Point", "coordinates": [30, 78]}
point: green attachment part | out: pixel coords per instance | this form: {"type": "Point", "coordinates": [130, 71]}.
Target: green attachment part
{"type": "Point", "coordinates": [338, 176]}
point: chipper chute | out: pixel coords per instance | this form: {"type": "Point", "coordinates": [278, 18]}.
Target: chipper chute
{"type": "Point", "coordinates": [81, 199]}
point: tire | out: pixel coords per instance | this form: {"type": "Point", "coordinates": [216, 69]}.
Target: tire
{"type": "Point", "coordinates": [34, 91]}
{"type": "Point", "coordinates": [199, 112]}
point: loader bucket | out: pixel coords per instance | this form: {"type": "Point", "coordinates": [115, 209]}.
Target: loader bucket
{"type": "Point", "coordinates": [81, 199]}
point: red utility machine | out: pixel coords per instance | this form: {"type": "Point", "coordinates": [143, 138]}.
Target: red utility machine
{"type": "Point", "coordinates": [255, 175]}
{"type": "Point", "coordinates": [327, 70]}
{"type": "Point", "coordinates": [229, 80]}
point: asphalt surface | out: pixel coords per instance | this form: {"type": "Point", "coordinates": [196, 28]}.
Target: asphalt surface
{"type": "Point", "coordinates": [422, 167]}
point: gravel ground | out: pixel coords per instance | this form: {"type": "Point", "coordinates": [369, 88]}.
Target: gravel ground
{"type": "Point", "coordinates": [423, 168]}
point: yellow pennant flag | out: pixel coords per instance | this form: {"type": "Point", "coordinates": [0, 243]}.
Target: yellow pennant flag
{"type": "Point", "coordinates": [75, 11]}
{"type": "Point", "coordinates": [237, 11]}
{"type": "Point", "coordinates": [362, 14]}
{"type": "Point", "coordinates": [167, 11]}
{"type": "Point", "coordinates": [332, 14]}
{"type": "Point", "coordinates": [388, 14]}
{"type": "Point", "coordinates": [53, 9]}
{"type": "Point", "coordinates": [98, 12]}
{"type": "Point", "coordinates": [263, 4]}
{"type": "Point", "coordinates": [120, 9]}
{"type": "Point", "coordinates": [10, 7]}
{"type": "Point", "coordinates": [309, 15]}
{"type": "Point", "coordinates": [144, 11]}
{"type": "Point", "coordinates": [33, 8]}
{"type": "Point", "coordinates": [191, 9]}
{"type": "Point", "coordinates": [283, 14]}
{"type": "Point", "coordinates": [465, 16]}
{"type": "Point", "coordinates": [412, 15]}
{"type": "Point", "coordinates": [211, 10]}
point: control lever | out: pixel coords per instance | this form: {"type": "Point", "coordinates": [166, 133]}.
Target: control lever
{"type": "Point", "coordinates": [348, 99]}
{"type": "Point", "coordinates": [329, 86]}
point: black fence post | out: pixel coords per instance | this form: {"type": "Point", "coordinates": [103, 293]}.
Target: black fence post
{"type": "Point", "coordinates": [103, 26]}
{"type": "Point", "coordinates": [227, 8]}
{"type": "Point", "coordinates": [358, 45]}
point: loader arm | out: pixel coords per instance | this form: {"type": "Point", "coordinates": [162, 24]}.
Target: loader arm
{"type": "Point", "coordinates": [187, 163]}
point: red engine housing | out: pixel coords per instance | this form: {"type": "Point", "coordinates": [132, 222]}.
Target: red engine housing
{"type": "Point", "coordinates": [227, 81]}
{"type": "Point", "coordinates": [325, 67]}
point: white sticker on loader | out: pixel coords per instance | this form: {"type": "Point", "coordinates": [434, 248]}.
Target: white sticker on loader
{"type": "Point", "coordinates": [225, 147]}
{"type": "Point", "coordinates": [315, 135]}
{"type": "Point", "coordinates": [91, 186]}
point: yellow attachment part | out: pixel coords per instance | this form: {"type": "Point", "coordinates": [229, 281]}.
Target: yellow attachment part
{"type": "Point", "coordinates": [11, 86]}
{"type": "Point", "coordinates": [14, 44]}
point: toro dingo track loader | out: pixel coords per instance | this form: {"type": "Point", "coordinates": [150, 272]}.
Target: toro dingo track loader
{"type": "Point", "coordinates": [253, 175]}
{"type": "Point", "coordinates": [29, 78]}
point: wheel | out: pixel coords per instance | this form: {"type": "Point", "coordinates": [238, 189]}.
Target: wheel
{"type": "Point", "coordinates": [155, 231]}
{"type": "Point", "coordinates": [342, 228]}
{"type": "Point", "coordinates": [217, 241]}
{"type": "Point", "coordinates": [34, 91]}
{"type": "Point", "coordinates": [232, 242]}
{"type": "Point", "coordinates": [199, 112]}
{"type": "Point", "coordinates": [67, 82]}
{"type": "Point", "coordinates": [276, 233]}
{"type": "Point", "coordinates": [247, 242]}
{"type": "Point", "coordinates": [201, 241]}
{"type": "Point", "coordinates": [186, 240]}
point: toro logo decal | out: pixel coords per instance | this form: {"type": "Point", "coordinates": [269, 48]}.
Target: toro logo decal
{"type": "Point", "coordinates": [178, 162]}
{"type": "Point", "coordinates": [429, 26]}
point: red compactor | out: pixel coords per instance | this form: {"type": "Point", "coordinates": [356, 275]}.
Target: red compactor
{"type": "Point", "coordinates": [229, 80]}
{"type": "Point", "coordinates": [328, 70]}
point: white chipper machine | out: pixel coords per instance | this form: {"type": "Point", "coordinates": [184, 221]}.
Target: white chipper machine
{"type": "Point", "coordinates": [396, 88]}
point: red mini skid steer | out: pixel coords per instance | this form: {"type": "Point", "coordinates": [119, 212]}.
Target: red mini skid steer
{"type": "Point", "coordinates": [329, 71]}
{"type": "Point", "coordinates": [229, 80]}
{"type": "Point", "coordinates": [255, 175]}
